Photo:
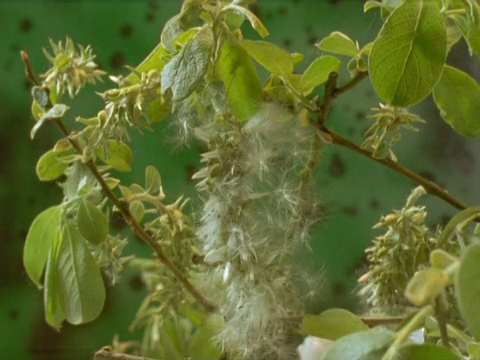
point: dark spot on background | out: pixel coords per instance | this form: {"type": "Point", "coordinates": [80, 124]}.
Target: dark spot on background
{"type": "Point", "coordinates": [5, 154]}
{"type": "Point", "coordinates": [255, 9]}
{"type": "Point", "coordinates": [351, 130]}
{"type": "Point", "coordinates": [31, 200]}
{"type": "Point", "coordinates": [27, 85]}
{"type": "Point", "coordinates": [136, 283]}
{"type": "Point", "coordinates": [374, 204]}
{"type": "Point", "coordinates": [287, 42]}
{"type": "Point", "coordinates": [283, 11]}
{"type": "Point", "coordinates": [117, 221]}
{"type": "Point", "coordinates": [126, 30]}
{"type": "Point", "coordinates": [15, 48]}
{"type": "Point", "coordinates": [191, 170]}
{"type": "Point", "coordinates": [117, 60]}
{"type": "Point", "coordinates": [26, 25]}
{"type": "Point", "coordinates": [443, 220]}
{"type": "Point", "coordinates": [349, 210]}
{"type": "Point", "coordinates": [13, 314]}
{"type": "Point", "coordinates": [149, 17]}
{"type": "Point", "coordinates": [336, 168]}
{"type": "Point", "coordinates": [360, 115]}
{"type": "Point", "coordinates": [312, 40]}
{"type": "Point", "coordinates": [338, 288]}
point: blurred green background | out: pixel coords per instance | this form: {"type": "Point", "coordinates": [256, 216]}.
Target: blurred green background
{"type": "Point", "coordinates": [356, 191]}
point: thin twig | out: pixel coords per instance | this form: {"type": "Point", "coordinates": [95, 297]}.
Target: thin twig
{"type": "Point", "coordinates": [328, 96]}
{"type": "Point", "coordinates": [136, 228]}
{"type": "Point", "coordinates": [441, 305]}
{"type": "Point", "coordinates": [378, 321]}
{"type": "Point", "coordinates": [28, 68]}
{"type": "Point", "coordinates": [107, 354]}
{"type": "Point", "coordinates": [430, 186]}
{"type": "Point", "coordinates": [350, 84]}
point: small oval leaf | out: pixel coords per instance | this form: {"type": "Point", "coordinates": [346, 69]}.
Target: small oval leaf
{"type": "Point", "coordinates": [332, 324]}
{"type": "Point", "coordinates": [467, 287]}
{"type": "Point", "coordinates": [317, 73]}
{"type": "Point", "coordinates": [79, 282]}
{"type": "Point", "coordinates": [186, 69]}
{"type": "Point", "coordinates": [235, 68]}
{"type": "Point", "coordinates": [119, 156]}
{"type": "Point", "coordinates": [426, 285]}
{"type": "Point", "coordinates": [270, 56]}
{"type": "Point", "coordinates": [49, 167]}
{"type": "Point", "coordinates": [408, 56]}
{"type": "Point", "coordinates": [338, 43]}
{"type": "Point", "coordinates": [39, 241]}
{"type": "Point", "coordinates": [457, 95]}
{"type": "Point", "coordinates": [424, 352]}
{"type": "Point", "coordinates": [92, 222]}
{"type": "Point", "coordinates": [370, 344]}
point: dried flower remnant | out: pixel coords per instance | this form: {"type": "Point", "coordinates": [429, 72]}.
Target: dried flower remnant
{"type": "Point", "coordinates": [72, 68]}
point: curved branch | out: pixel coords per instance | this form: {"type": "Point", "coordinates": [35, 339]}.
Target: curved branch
{"type": "Point", "coordinates": [136, 228]}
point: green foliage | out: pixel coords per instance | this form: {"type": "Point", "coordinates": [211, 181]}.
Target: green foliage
{"type": "Point", "coordinates": [257, 188]}
{"type": "Point", "coordinates": [408, 56]}
{"type": "Point", "coordinates": [468, 289]}
{"type": "Point", "coordinates": [40, 239]}
{"type": "Point", "coordinates": [369, 344]}
{"type": "Point", "coordinates": [332, 324]}
{"type": "Point", "coordinates": [79, 283]}
{"type": "Point", "coordinates": [457, 95]}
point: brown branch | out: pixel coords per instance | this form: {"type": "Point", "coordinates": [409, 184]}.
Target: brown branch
{"type": "Point", "coordinates": [136, 228]}
{"type": "Point", "coordinates": [108, 354]}
{"type": "Point", "coordinates": [430, 186]}
{"type": "Point", "coordinates": [28, 68]}
{"type": "Point", "coordinates": [350, 84]}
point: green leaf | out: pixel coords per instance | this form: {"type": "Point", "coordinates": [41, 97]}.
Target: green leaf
{"type": "Point", "coordinates": [338, 43]}
{"type": "Point", "coordinates": [56, 112]}
{"type": "Point", "coordinates": [39, 240]}
{"type": "Point", "coordinates": [186, 69]}
{"type": "Point", "coordinates": [158, 110]}
{"type": "Point", "coordinates": [332, 324]}
{"type": "Point", "coordinates": [424, 352]}
{"type": "Point", "coordinates": [426, 285]}
{"type": "Point", "coordinates": [370, 344]}
{"type": "Point", "coordinates": [92, 222]}
{"type": "Point", "coordinates": [441, 259]}
{"type": "Point", "coordinates": [49, 167]}
{"type": "Point", "coordinates": [467, 288]}
{"type": "Point", "coordinates": [317, 73]}
{"type": "Point", "coordinates": [40, 96]}
{"type": "Point", "coordinates": [80, 285]}
{"type": "Point", "coordinates": [270, 56]}
{"type": "Point", "coordinates": [170, 32]}
{"type": "Point", "coordinates": [457, 95]}
{"type": "Point", "coordinates": [451, 226]}
{"type": "Point", "coordinates": [250, 16]}
{"type": "Point", "coordinates": [408, 56]}
{"type": "Point", "coordinates": [473, 349]}
{"type": "Point", "coordinates": [154, 61]}
{"type": "Point", "coordinates": [137, 209]}
{"type": "Point", "coordinates": [153, 181]}
{"type": "Point", "coordinates": [235, 68]}
{"type": "Point", "coordinates": [201, 345]}
{"type": "Point", "coordinates": [53, 310]}
{"type": "Point", "coordinates": [119, 156]}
